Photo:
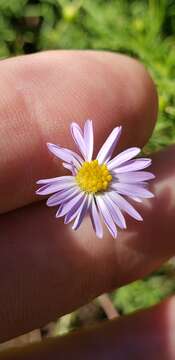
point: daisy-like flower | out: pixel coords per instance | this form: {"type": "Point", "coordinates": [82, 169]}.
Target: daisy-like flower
{"type": "Point", "coordinates": [100, 187]}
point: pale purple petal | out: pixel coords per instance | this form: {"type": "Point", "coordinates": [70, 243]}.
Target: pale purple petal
{"type": "Point", "coordinates": [133, 165]}
{"type": "Point", "coordinates": [106, 216]}
{"type": "Point", "coordinates": [70, 167]}
{"type": "Point", "coordinates": [95, 219]}
{"type": "Point", "coordinates": [59, 152]}
{"type": "Point", "coordinates": [123, 157]}
{"type": "Point", "coordinates": [81, 214]}
{"type": "Point", "coordinates": [115, 212]}
{"type": "Point", "coordinates": [62, 196]}
{"type": "Point", "coordinates": [136, 199]}
{"type": "Point", "coordinates": [72, 205]}
{"type": "Point", "coordinates": [56, 179]}
{"type": "Point", "coordinates": [135, 176]}
{"type": "Point", "coordinates": [108, 147]}
{"type": "Point", "coordinates": [66, 155]}
{"type": "Point", "coordinates": [55, 186]}
{"type": "Point", "coordinates": [78, 138]}
{"type": "Point", "coordinates": [75, 156]}
{"type": "Point", "coordinates": [67, 166]}
{"type": "Point", "coordinates": [124, 205]}
{"type": "Point", "coordinates": [89, 139]}
{"type": "Point", "coordinates": [132, 190]}
{"type": "Point", "coordinates": [71, 215]}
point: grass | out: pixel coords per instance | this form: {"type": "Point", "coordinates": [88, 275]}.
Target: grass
{"type": "Point", "coordinates": [143, 29]}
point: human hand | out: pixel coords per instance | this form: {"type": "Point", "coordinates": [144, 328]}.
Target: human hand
{"type": "Point", "coordinates": [47, 269]}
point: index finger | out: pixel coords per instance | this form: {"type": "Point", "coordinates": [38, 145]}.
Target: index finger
{"type": "Point", "coordinates": [43, 93]}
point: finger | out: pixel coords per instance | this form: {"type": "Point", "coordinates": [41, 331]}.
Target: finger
{"type": "Point", "coordinates": [48, 270]}
{"type": "Point", "coordinates": [41, 94]}
{"type": "Point", "coordinates": [151, 243]}
{"type": "Point", "coordinates": [148, 334]}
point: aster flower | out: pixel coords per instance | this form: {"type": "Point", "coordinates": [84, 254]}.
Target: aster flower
{"type": "Point", "coordinates": [100, 187]}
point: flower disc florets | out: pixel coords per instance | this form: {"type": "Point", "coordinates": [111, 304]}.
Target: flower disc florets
{"type": "Point", "coordinates": [93, 177]}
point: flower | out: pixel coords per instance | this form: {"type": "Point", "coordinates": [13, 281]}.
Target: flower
{"type": "Point", "coordinates": [97, 187]}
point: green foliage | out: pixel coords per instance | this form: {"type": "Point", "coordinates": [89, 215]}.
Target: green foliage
{"type": "Point", "coordinates": [143, 293]}
{"type": "Point", "coordinates": [143, 29]}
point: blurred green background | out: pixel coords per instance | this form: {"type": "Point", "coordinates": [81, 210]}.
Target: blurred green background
{"type": "Point", "coordinates": [142, 29]}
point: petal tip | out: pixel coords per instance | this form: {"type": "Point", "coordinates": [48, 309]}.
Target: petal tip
{"type": "Point", "coordinates": [88, 120]}
{"type": "Point", "coordinates": [118, 129]}
{"type": "Point", "coordinates": [100, 236]}
{"type": "Point", "coordinates": [48, 203]}
{"type": "Point", "coordinates": [138, 148]}
{"type": "Point", "coordinates": [38, 192]}
{"type": "Point", "coordinates": [49, 144]}
{"type": "Point", "coordinates": [139, 218]}
{"type": "Point", "coordinates": [73, 124]}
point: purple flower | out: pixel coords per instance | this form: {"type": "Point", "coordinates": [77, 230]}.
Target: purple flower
{"type": "Point", "coordinates": [97, 187]}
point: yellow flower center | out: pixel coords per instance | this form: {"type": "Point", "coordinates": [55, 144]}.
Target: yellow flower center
{"type": "Point", "coordinates": [93, 177]}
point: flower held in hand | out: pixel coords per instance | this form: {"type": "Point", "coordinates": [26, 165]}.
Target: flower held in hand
{"type": "Point", "coordinates": [97, 187]}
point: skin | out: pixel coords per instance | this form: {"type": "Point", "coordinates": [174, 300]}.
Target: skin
{"type": "Point", "coordinates": [39, 256]}
{"type": "Point", "coordinates": [145, 335]}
